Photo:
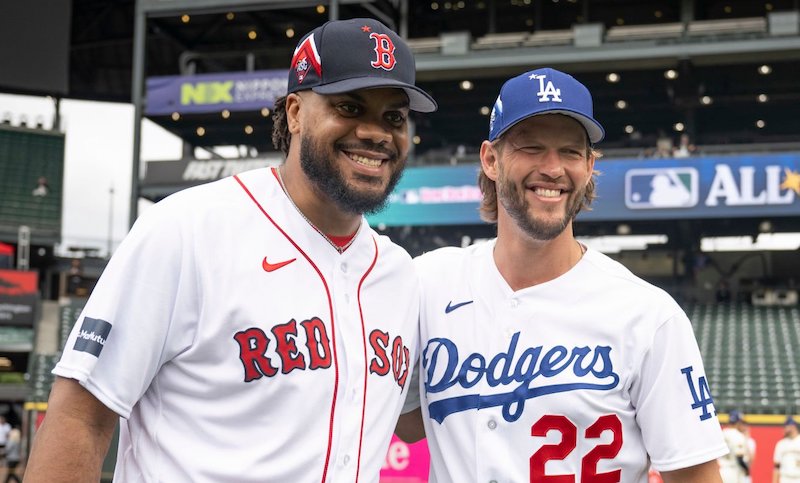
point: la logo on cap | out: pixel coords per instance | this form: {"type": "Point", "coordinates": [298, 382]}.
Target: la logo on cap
{"type": "Point", "coordinates": [547, 91]}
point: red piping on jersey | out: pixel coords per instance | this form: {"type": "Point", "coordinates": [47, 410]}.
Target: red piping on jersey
{"type": "Point", "coordinates": [330, 308]}
{"type": "Point", "coordinates": [366, 361]}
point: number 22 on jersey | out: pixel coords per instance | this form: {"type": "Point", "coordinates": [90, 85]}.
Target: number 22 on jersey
{"type": "Point", "coordinates": [569, 441]}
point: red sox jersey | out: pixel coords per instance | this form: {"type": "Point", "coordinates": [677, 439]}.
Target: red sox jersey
{"type": "Point", "coordinates": [238, 345]}
{"type": "Point", "coordinates": [590, 377]}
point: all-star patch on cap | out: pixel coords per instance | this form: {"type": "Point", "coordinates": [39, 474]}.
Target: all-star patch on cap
{"type": "Point", "coordinates": [543, 91]}
{"type": "Point", "coordinates": [361, 53]}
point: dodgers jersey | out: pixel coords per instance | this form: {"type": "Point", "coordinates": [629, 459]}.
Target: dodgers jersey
{"type": "Point", "coordinates": [594, 375]}
{"type": "Point", "coordinates": [238, 345]}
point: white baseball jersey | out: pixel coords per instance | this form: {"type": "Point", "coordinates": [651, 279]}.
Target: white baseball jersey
{"type": "Point", "coordinates": [589, 375]}
{"type": "Point", "coordinates": [787, 455]}
{"type": "Point", "coordinates": [239, 345]}
{"type": "Point", "coordinates": [739, 445]}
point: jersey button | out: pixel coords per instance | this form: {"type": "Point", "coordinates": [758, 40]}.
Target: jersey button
{"type": "Point", "coordinates": [344, 268]}
{"type": "Point", "coordinates": [346, 459]}
{"type": "Point", "coordinates": [492, 481]}
{"type": "Point", "coordinates": [492, 424]}
{"type": "Point", "coordinates": [514, 303]}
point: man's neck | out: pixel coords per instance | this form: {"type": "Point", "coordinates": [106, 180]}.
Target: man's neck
{"type": "Point", "coordinates": [524, 262]}
{"type": "Point", "coordinates": [318, 209]}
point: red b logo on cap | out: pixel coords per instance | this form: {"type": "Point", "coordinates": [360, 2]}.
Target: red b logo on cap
{"type": "Point", "coordinates": [384, 48]}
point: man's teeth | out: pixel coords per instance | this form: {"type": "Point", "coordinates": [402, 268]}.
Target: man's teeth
{"type": "Point", "coordinates": [372, 163]}
{"type": "Point", "coordinates": [546, 193]}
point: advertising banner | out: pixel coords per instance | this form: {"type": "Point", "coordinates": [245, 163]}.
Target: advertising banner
{"type": "Point", "coordinates": [204, 93]}
{"type": "Point", "coordinates": [19, 293]}
{"type": "Point", "coordinates": [668, 189]}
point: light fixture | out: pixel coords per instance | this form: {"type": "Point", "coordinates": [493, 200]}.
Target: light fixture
{"type": "Point", "coordinates": [176, 116]}
{"type": "Point", "coordinates": [248, 129]}
{"type": "Point", "coordinates": [765, 226]}
{"type": "Point", "coordinates": [485, 110]}
{"type": "Point", "coordinates": [416, 140]}
{"type": "Point", "coordinates": [768, 7]}
{"type": "Point", "coordinates": [320, 9]}
{"type": "Point", "coordinates": [230, 15]}
{"type": "Point", "coordinates": [706, 100]}
{"type": "Point", "coordinates": [201, 131]}
{"type": "Point", "coordinates": [679, 127]}
{"type": "Point", "coordinates": [466, 85]}
{"type": "Point", "coordinates": [623, 229]}
{"type": "Point", "coordinates": [185, 18]}
{"type": "Point", "coordinates": [763, 98]}
{"type": "Point", "coordinates": [460, 5]}
{"type": "Point", "coordinates": [621, 104]}
{"type": "Point", "coordinates": [671, 74]}
{"type": "Point", "coordinates": [265, 111]}
{"type": "Point", "coordinates": [612, 77]}
{"type": "Point", "coordinates": [620, 21]}
{"type": "Point", "coordinates": [764, 69]}
{"type": "Point", "coordinates": [728, 9]}
{"type": "Point", "coordinates": [629, 129]}
{"type": "Point", "coordinates": [761, 124]}
{"type": "Point", "coordinates": [434, 5]}
{"type": "Point", "coordinates": [289, 33]}
{"type": "Point", "coordinates": [252, 35]}
{"type": "Point", "coordinates": [225, 114]}
{"type": "Point", "coordinates": [658, 14]}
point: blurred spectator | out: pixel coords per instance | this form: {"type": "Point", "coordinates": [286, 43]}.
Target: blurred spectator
{"type": "Point", "coordinates": [735, 466]}
{"type": "Point", "coordinates": [723, 294]}
{"type": "Point", "coordinates": [74, 277]}
{"type": "Point", "coordinates": [685, 148]}
{"type": "Point", "coordinates": [42, 188]}
{"type": "Point", "coordinates": [664, 145]}
{"type": "Point", "coordinates": [13, 455]}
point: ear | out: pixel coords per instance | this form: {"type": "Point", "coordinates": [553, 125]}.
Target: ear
{"type": "Point", "coordinates": [489, 160]}
{"type": "Point", "coordinates": [293, 104]}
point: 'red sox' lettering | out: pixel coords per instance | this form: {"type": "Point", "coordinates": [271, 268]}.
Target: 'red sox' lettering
{"type": "Point", "coordinates": [288, 344]}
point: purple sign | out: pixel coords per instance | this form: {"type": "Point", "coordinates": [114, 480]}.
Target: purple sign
{"type": "Point", "coordinates": [205, 93]}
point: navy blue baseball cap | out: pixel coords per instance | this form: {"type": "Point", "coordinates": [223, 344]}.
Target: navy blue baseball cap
{"type": "Point", "coordinates": [543, 91]}
{"type": "Point", "coordinates": [791, 421]}
{"type": "Point", "coordinates": [360, 53]}
{"type": "Point", "coordinates": [734, 417]}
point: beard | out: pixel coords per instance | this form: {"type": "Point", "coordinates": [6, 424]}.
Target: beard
{"type": "Point", "coordinates": [516, 205]}
{"type": "Point", "coordinates": [321, 169]}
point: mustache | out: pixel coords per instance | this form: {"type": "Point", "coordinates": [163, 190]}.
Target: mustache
{"type": "Point", "coordinates": [368, 146]}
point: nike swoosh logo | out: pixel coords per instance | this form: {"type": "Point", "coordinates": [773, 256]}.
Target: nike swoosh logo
{"type": "Point", "coordinates": [450, 307]}
{"type": "Point", "coordinates": [271, 267]}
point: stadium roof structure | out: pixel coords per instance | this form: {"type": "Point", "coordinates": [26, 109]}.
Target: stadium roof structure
{"type": "Point", "coordinates": [714, 48]}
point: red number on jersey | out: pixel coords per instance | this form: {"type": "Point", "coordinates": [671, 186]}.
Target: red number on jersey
{"type": "Point", "coordinates": [569, 441]}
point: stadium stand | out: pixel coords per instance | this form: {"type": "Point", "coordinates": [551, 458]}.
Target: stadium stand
{"type": "Point", "coordinates": [751, 354]}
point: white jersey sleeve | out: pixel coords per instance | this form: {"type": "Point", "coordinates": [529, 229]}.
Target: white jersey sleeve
{"type": "Point", "coordinates": [673, 400]}
{"type": "Point", "coordinates": [143, 311]}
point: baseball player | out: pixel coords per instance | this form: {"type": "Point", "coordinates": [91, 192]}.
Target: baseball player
{"type": "Point", "coordinates": [735, 466]}
{"type": "Point", "coordinates": [543, 360]}
{"type": "Point", "coordinates": [256, 329]}
{"type": "Point", "coordinates": [787, 454]}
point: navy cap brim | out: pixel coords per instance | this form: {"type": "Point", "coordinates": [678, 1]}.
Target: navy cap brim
{"type": "Point", "coordinates": [593, 129]}
{"type": "Point", "coordinates": [418, 100]}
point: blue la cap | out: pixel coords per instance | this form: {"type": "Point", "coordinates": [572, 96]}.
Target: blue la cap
{"type": "Point", "coordinates": [790, 421]}
{"type": "Point", "coordinates": [543, 91]}
{"type": "Point", "coordinates": [734, 417]}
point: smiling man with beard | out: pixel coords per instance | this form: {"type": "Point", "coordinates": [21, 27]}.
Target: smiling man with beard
{"type": "Point", "coordinates": [256, 328]}
{"type": "Point", "coordinates": [540, 358]}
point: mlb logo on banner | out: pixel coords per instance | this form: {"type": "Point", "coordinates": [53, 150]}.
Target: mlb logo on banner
{"type": "Point", "coordinates": [654, 188]}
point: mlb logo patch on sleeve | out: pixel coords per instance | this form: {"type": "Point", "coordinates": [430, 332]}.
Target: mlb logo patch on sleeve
{"type": "Point", "coordinates": [92, 336]}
